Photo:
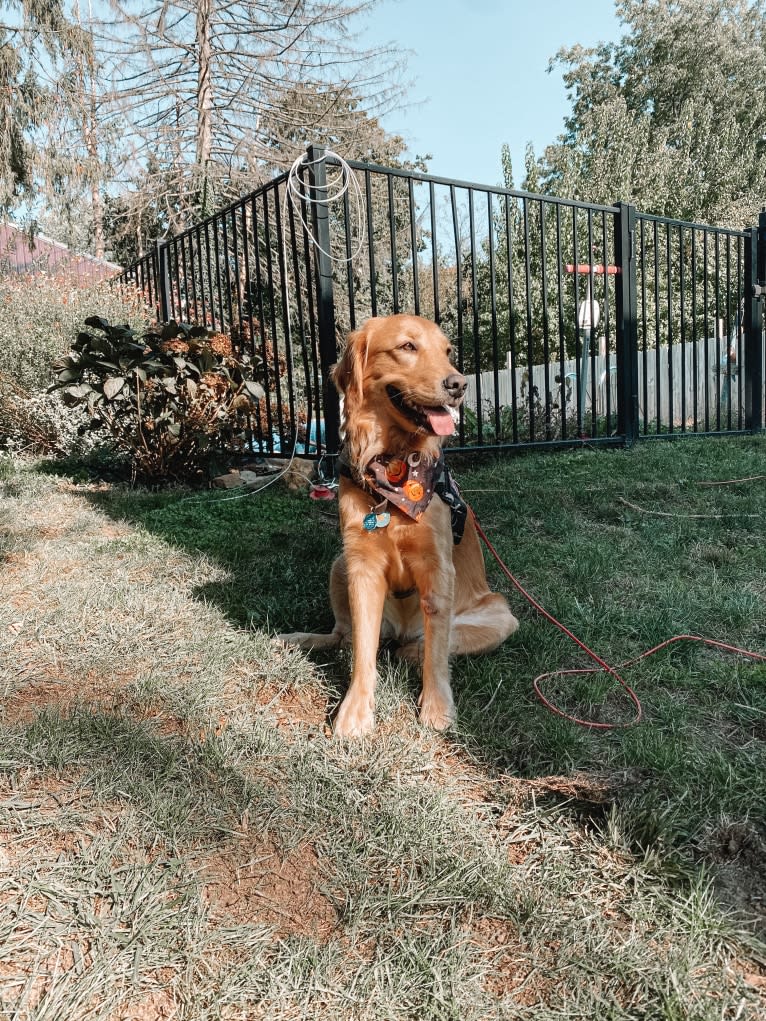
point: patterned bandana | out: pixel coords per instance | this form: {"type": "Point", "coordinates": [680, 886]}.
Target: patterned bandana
{"type": "Point", "coordinates": [410, 484]}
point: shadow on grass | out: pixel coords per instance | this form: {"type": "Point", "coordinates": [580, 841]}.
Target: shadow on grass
{"type": "Point", "coordinates": [276, 547]}
{"type": "Point", "coordinates": [182, 786]}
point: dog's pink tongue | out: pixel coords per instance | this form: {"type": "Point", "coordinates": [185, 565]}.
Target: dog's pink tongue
{"type": "Point", "coordinates": [440, 421]}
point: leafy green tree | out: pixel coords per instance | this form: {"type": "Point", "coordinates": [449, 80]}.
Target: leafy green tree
{"type": "Point", "coordinates": [671, 116]}
{"type": "Point", "coordinates": [516, 277]}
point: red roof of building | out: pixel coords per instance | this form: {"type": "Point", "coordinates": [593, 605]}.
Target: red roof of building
{"type": "Point", "coordinates": [21, 254]}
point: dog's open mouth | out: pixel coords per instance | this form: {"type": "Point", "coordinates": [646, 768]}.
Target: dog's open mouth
{"type": "Point", "coordinates": [441, 420]}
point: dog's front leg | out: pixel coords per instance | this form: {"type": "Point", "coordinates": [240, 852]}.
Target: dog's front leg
{"type": "Point", "coordinates": [366, 595]}
{"type": "Point", "coordinates": [437, 708]}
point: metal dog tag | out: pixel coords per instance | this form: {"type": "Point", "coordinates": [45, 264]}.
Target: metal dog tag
{"type": "Point", "coordinates": [376, 519]}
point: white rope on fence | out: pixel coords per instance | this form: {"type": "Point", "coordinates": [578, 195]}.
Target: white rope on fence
{"type": "Point", "coordinates": [343, 182]}
{"type": "Point", "coordinates": [297, 192]}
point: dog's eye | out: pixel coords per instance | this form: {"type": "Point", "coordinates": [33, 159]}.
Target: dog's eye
{"type": "Point", "coordinates": [449, 352]}
{"type": "Point", "coordinates": [409, 346]}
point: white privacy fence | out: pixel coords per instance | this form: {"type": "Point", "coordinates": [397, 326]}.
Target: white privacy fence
{"type": "Point", "coordinates": [676, 385]}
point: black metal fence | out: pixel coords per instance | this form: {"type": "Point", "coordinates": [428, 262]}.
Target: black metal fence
{"type": "Point", "coordinates": [573, 322]}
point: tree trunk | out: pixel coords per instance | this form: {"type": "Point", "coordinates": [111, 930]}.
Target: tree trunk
{"type": "Point", "coordinates": [204, 86]}
{"type": "Point", "coordinates": [91, 143]}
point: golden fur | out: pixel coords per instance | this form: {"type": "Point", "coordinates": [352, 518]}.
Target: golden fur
{"type": "Point", "coordinates": [452, 611]}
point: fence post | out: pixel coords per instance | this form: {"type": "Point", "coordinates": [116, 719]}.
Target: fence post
{"type": "Point", "coordinates": [627, 324]}
{"type": "Point", "coordinates": [755, 281]}
{"type": "Point", "coordinates": [163, 280]}
{"type": "Point", "coordinates": [328, 350]}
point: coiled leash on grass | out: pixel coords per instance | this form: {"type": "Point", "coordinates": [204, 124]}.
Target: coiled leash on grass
{"type": "Point", "coordinates": [603, 667]}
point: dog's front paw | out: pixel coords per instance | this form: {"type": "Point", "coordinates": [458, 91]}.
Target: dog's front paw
{"type": "Point", "coordinates": [306, 641]}
{"type": "Point", "coordinates": [356, 717]}
{"type": "Point", "coordinates": [437, 709]}
{"type": "Point", "coordinates": [294, 638]}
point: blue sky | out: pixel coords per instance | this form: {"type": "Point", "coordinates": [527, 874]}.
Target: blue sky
{"type": "Point", "coordinates": [479, 71]}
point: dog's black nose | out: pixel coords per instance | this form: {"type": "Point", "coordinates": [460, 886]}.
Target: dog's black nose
{"type": "Point", "coordinates": [455, 384]}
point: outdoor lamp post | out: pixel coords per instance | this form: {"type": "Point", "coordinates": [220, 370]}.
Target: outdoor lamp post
{"type": "Point", "coordinates": [588, 316]}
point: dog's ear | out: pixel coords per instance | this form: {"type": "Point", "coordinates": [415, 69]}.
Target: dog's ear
{"type": "Point", "coordinates": [348, 373]}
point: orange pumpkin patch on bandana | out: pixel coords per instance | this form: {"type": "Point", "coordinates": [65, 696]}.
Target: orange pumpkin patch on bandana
{"type": "Point", "coordinates": [413, 490]}
{"type": "Point", "coordinates": [408, 486]}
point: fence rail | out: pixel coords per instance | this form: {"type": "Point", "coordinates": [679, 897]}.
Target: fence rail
{"type": "Point", "coordinates": [542, 296]}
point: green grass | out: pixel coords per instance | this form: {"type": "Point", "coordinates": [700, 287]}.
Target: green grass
{"type": "Point", "coordinates": [179, 833]}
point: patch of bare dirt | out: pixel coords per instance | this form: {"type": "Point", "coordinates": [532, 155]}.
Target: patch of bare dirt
{"type": "Point", "coordinates": [83, 487]}
{"type": "Point", "coordinates": [580, 786]}
{"type": "Point", "coordinates": [36, 803]}
{"type": "Point", "coordinates": [510, 972]}
{"type": "Point", "coordinates": [252, 882]}
{"type": "Point", "coordinates": [456, 768]}
{"type": "Point", "coordinates": [305, 706]}
{"type": "Point", "coordinates": [45, 687]}
{"type": "Point", "coordinates": [154, 1006]}
{"type": "Point", "coordinates": [39, 803]}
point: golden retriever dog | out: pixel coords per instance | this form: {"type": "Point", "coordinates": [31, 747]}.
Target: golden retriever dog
{"type": "Point", "coordinates": [411, 569]}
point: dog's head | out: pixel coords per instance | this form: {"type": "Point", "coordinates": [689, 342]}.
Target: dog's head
{"type": "Point", "coordinates": [400, 388]}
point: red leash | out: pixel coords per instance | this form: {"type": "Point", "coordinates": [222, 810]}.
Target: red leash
{"type": "Point", "coordinates": [603, 666]}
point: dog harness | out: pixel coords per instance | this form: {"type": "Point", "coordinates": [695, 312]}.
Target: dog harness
{"type": "Point", "coordinates": [409, 485]}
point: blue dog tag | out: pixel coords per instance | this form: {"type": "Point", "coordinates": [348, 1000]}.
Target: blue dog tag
{"type": "Point", "coordinates": [375, 519]}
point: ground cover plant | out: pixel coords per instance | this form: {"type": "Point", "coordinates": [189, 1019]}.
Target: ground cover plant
{"type": "Point", "coordinates": [181, 838]}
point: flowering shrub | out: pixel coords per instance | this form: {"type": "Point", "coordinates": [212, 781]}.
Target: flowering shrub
{"type": "Point", "coordinates": [167, 397]}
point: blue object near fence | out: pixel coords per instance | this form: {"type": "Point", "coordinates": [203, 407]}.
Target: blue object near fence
{"type": "Point", "coordinates": [300, 448]}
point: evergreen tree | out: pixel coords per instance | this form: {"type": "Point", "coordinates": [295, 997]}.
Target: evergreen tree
{"type": "Point", "coordinates": [36, 42]}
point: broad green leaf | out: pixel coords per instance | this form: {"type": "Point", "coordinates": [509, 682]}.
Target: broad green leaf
{"type": "Point", "coordinates": [81, 391]}
{"type": "Point", "coordinates": [169, 330]}
{"type": "Point", "coordinates": [99, 322]}
{"type": "Point", "coordinates": [254, 390]}
{"type": "Point", "coordinates": [67, 375]}
{"type": "Point", "coordinates": [66, 362]}
{"type": "Point", "coordinates": [113, 386]}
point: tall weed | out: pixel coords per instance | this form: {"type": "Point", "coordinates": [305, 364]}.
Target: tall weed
{"type": "Point", "coordinates": [40, 317]}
